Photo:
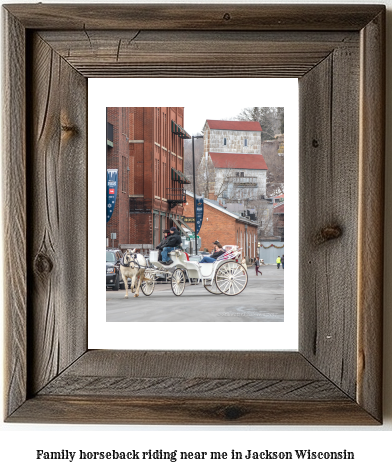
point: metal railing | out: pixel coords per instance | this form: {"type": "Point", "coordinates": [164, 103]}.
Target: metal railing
{"type": "Point", "coordinates": [175, 196]}
{"type": "Point", "coordinates": [245, 181]}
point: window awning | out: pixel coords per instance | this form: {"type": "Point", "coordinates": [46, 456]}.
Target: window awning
{"type": "Point", "coordinates": [185, 225]}
{"type": "Point", "coordinates": [179, 131]}
{"type": "Point", "coordinates": [177, 175]}
{"type": "Point", "coordinates": [179, 224]}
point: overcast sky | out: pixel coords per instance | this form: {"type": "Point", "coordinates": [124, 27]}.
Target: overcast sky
{"type": "Point", "coordinates": [195, 116]}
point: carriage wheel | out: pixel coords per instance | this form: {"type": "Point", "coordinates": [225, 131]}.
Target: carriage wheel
{"type": "Point", "coordinates": [231, 278]}
{"type": "Point", "coordinates": [148, 286]}
{"type": "Point", "coordinates": [178, 282]}
{"type": "Point", "coordinates": [211, 287]}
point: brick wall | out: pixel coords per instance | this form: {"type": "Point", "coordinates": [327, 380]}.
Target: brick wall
{"type": "Point", "coordinates": [279, 224]}
{"type": "Point", "coordinates": [118, 158]}
{"type": "Point", "coordinates": [144, 144]}
{"type": "Point", "coordinates": [222, 227]}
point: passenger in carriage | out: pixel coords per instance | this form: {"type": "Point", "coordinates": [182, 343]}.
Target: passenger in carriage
{"type": "Point", "coordinates": [172, 241]}
{"type": "Point", "coordinates": [159, 247]}
{"type": "Point", "coordinates": [218, 251]}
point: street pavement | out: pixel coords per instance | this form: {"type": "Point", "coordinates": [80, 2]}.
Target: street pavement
{"type": "Point", "coordinates": [262, 300]}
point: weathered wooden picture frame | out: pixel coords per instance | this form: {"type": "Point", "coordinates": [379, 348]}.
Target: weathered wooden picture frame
{"type": "Point", "coordinates": [337, 53]}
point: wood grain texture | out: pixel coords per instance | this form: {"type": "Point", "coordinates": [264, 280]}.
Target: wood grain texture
{"type": "Point", "coordinates": [97, 409]}
{"type": "Point", "coordinates": [57, 248]}
{"type": "Point", "coordinates": [195, 17]}
{"type": "Point", "coordinates": [192, 387]}
{"type": "Point", "coordinates": [179, 374]}
{"type": "Point", "coordinates": [14, 212]}
{"type": "Point", "coordinates": [208, 364]}
{"type": "Point", "coordinates": [371, 216]}
{"type": "Point", "coordinates": [329, 98]}
{"type": "Point", "coordinates": [194, 53]}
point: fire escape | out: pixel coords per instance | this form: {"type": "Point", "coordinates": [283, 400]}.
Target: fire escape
{"type": "Point", "coordinates": [176, 194]}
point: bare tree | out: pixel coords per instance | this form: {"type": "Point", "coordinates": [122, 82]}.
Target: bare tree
{"type": "Point", "coordinates": [224, 182]}
{"type": "Point", "coordinates": [264, 217]}
{"type": "Point", "coordinates": [188, 162]}
{"type": "Point", "coordinates": [271, 120]}
{"type": "Point", "coordinates": [275, 163]}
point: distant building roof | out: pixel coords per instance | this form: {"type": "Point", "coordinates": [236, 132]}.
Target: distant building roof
{"type": "Point", "coordinates": [234, 125]}
{"type": "Point", "coordinates": [249, 161]}
{"type": "Point", "coordinates": [279, 208]}
{"type": "Point", "coordinates": [225, 211]}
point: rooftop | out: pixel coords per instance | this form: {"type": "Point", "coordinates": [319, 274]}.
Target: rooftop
{"type": "Point", "coordinates": [279, 208]}
{"type": "Point", "coordinates": [225, 211]}
{"type": "Point", "coordinates": [238, 125]}
{"type": "Point", "coordinates": [249, 161]}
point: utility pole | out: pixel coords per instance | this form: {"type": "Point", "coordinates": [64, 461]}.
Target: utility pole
{"type": "Point", "coordinates": [194, 184]}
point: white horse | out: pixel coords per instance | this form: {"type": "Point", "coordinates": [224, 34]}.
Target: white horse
{"type": "Point", "coordinates": [134, 268]}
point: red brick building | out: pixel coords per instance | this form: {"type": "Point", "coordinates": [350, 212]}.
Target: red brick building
{"type": "Point", "coordinates": [278, 220]}
{"type": "Point", "coordinates": [225, 226]}
{"type": "Point", "coordinates": [145, 145]}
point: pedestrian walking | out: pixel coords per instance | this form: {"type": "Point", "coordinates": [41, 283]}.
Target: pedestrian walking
{"type": "Point", "coordinates": [257, 265]}
{"type": "Point", "coordinates": [278, 261]}
{"type": "Point", "coordinates": [283, 262]}
{"type": "Point", "coordinates": [243, 263]}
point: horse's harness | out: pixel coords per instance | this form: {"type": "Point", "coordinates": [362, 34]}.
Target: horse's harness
{"type": "Point", "coordinates": [134, 261]}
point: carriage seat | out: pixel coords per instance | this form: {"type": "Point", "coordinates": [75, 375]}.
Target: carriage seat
{"type": "Point", "coordinates": [180, 254]}
{"type": "Point", "coordinates": [206, 268]}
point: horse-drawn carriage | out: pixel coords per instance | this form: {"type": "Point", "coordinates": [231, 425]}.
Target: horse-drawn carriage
{"type": "Point", "coordinates": [225, 276]}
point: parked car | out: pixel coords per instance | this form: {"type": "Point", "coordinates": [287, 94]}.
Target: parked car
{"type": "Point", "coordinates": [113, 275]}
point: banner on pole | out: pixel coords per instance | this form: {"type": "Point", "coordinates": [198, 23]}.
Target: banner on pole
{"type": "Point", "coordinates": [112, 179]}
{"type": "Point", "coordinates": [199, 213]}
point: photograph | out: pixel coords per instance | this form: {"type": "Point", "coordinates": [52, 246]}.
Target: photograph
{"type": "Point", "coordinates": [196, 214]}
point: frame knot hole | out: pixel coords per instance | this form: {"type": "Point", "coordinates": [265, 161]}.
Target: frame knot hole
{"type": "Point", "coordinates": [232, 413]}
{"type": "Point", "coordinates": [315, 143]}
{"type": "Point", "coordinates": [43, 264]}
{"type": "Point", "coordinates": [227, 16]}
{"type": "Point", "coordinates": [329, 232]}
{"type": "Point", "coordinates": [68, 129]}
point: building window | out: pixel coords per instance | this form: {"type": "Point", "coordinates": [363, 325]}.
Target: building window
{"type": "Point", "coordinates": [124, 175]}
{"type": "Point", "coordinates": [158, 183]}
{"type": "Point", "coordinates": [109, 134]}
{"type": "Point", "coordinates": [156, 178]}
{"type": "Point", "coordinates": [159, 128]}
{"type": "Point", "coordinates": [125, 121]}
{"type": "Point", "coordinates": [224, 141]}
{"type": "Point", "coordinates": [164, 181]}
{"type": "Point", "coordinates": [165, 131]}
{"type": "Point", "coordinates": [246, 142]}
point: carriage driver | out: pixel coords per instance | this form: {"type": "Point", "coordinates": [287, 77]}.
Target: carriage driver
{"type": "Point", "coordinates": [159, 247]}
{"type": "Point", "coordinates": [218, 251]}
{"type": "Point", "coordinates": [172, 241]}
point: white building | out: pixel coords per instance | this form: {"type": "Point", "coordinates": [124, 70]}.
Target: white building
{"type": "Point", "coordinates": [234, 150]}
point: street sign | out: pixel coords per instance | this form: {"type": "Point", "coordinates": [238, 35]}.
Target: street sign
{"type": "Point", "coordinates": [192, 236]}
{"type": "Point", "coordinates": [188, 219]}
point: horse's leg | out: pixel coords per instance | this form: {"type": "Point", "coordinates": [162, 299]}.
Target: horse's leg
{"type": "Point", "coordinates": [125, 280]}
{"type": "Point", "coordinates": [140, 279]}
{"type": "Point", "coordinates": [133, 284]}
